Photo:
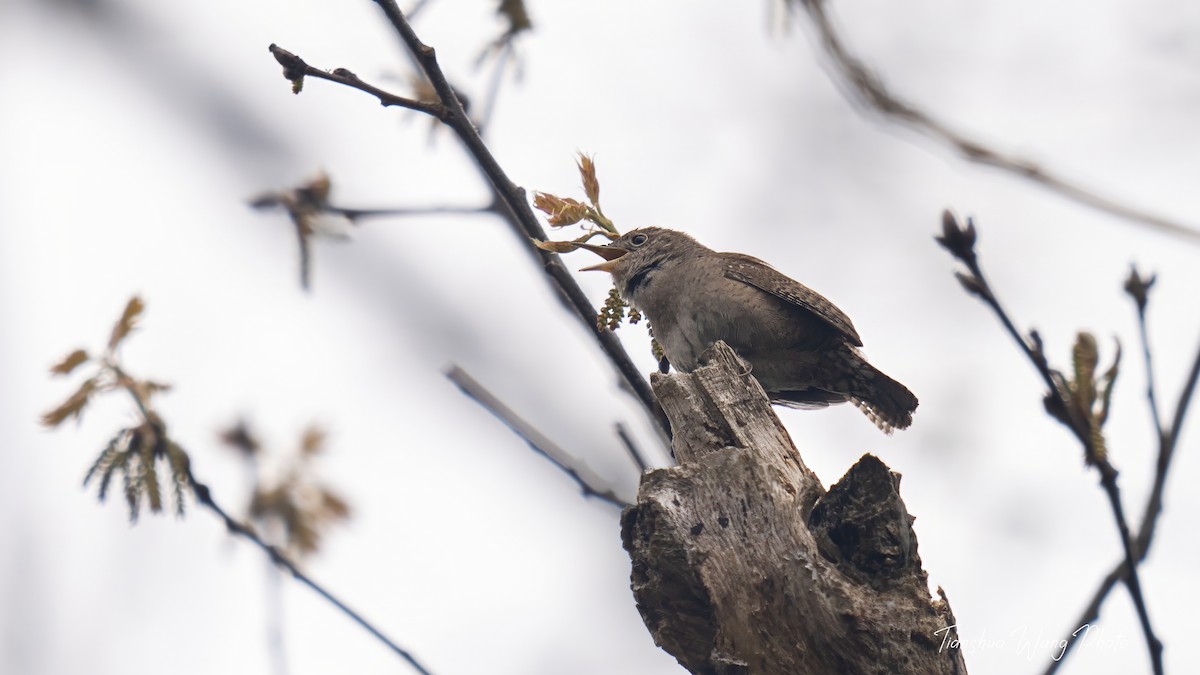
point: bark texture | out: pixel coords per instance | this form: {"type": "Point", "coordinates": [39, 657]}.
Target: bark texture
{"type": "Point", "coordinates": [742, 563]}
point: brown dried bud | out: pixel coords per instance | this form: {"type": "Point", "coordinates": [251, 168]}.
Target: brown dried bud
{"type": "Point", "coordinates": [556, 246]}
{"type": "Point", "coordinates": [958, 240]}
{"type": "Point", "coordinates": [294, 67]}
{"type": "Point", "coordinates": [1138, 287]}
{"type": "Point", "coordinates": [70, 362]}
{"type": "Point", "coordinates": [971, 284]}
{"type": "Point", "coordinates": [587, 173]}
{"type": "Point", "coordinates": [312, 442]}
{"type": "Point", "coordinates": [315, 192]}
{"type": "Point", "coordinates": [240, 438]}
{"type": "Point", "coordinates": [125, 324]}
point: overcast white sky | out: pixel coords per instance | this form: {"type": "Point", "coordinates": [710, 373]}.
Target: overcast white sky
{"type": "Point", "coordinates": [132, 132]}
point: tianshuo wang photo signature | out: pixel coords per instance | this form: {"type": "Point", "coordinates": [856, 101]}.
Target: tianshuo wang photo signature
{"type": "Point", "coordinates": [1041, 645]}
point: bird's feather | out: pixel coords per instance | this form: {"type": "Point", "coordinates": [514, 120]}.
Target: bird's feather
{"type": "Point", "coordinates": [754, 272]}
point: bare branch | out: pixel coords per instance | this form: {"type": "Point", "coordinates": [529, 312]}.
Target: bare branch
{"type": "Point", "coordinates": [634, 453]}
{"type": "Point", "coordinates": [204, 498]}
{"type": "Point", "coordinates": [493, 90]}
{"type": "Point", "coordinates": [870, 90]}
{"type": "Point", "coordinates": [1185, 399]}
{"type": "Point", "coordinates": [589, 482]}
{"type": "Point", "coordinates": [416, 8]}
{"type": "Point", "coordinates": [296, 69]}
{"type": "Point", "coordinates": [1166, 452]}
{"type": "Point", "coordinates": [1138, 288]}
{"type": "Point", "coordinates": [1170, 440]}
{"type": "Point", "coordinates": [404, 212]}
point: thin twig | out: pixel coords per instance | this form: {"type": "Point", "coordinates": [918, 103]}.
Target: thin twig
{"type": "Point", "coordinates": [1108, 478]}
{"type": "Point", "coordinates": [1166, 453]}
{"type": "Point", "coordinates": [1089, 615]}
{"type": "Point", "coordinates": [416, 9]}
{"type": "Point", "coordinates": [204, 498]}
{"type": "Point", "coordinates": [401, 212]}
{"type": "Point", "coordinates": [961, 243]}
{"type": "Point", "coordinates": [871, 91]}
{"type": "Point", "coordinates": [1181, 408]}
{"type": "Point", "coordinates": [1138, 289]}
{"type": "Point", "coordinates": [296, 68]}
{"type": "Point", "coordinates": [1151, 399]}
{"type": "Point", "coordinates": [634, 453]}
{"type": "Point", "coordinates": [493, 90]}
{"type": "Point", "coordinates": [276, 644]}
{"type": "Point", "coordinates": [536, 440]}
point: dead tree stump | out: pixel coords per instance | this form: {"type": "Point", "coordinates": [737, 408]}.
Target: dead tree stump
{"type": "Point", "coordinates": [742, 563]}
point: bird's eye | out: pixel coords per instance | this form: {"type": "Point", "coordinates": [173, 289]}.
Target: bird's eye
{"type": "Point", "coordinates": [638, 239]}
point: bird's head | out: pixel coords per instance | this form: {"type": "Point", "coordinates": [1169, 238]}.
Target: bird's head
{"type": "Point", "coordinates": [634, 257]}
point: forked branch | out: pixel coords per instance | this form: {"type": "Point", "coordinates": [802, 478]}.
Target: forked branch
{"type": "Point", "coordinates": [1073, 403]}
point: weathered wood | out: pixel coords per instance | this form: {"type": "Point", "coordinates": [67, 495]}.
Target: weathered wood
{"type": "Point", "coordinates": [743, 564]}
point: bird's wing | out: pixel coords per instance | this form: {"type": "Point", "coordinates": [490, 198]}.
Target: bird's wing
{"type": "Point", "coordinates": [756, 273]}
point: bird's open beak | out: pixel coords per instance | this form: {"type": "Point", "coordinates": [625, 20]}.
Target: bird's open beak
{"type": "Point", "coordinates": [611, 255]}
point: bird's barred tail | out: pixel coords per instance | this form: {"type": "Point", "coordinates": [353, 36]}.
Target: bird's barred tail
{"type": "Point", "coordinates": [884, 401]}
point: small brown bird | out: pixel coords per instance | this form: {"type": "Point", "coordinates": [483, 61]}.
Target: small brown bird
{"type": "Point", "coordinates": [802, 349]}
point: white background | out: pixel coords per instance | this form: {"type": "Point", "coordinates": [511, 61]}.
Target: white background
{"type": "Point", "coordinates": [132, 133]}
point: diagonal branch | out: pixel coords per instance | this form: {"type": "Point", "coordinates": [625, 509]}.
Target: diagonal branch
{"type": "Point", "coordinates": [870, 90]}
{"type": "Point", "coordinates": [204, 498]}
{"type": "Point", "coordinates": [408, 211]}
{"type": "Point", "coordinates": [588, 482]}
{"type": "Point", "coordinates": [516, 206]}
{"type": "Point", "coordinates": [493, 91]}
{"type": "Point", "coordinates": [631, 447]}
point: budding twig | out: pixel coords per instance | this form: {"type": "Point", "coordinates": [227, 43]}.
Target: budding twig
{"type": "Point", "coordinates": [1064, 403]}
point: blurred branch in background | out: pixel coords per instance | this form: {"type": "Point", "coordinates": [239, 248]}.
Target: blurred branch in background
{"type": "Point", "coordinates": [307, 206]}
{"type": "Point", "coordinates": [635, 453]}
{"type": "Point", "coordinates": [866, 87]}
{"type": "Point", "coordinates": [136, 452]}
{"type": "Point", "coordinates": [591, 484]}
{"type": "Point", "coordinates": [1080, 402]}
{"type": "Point", "coordinates": [504, 49]}
{"type": "Point", "coordinates": [1139, 289]}
{"type": "Point", "coordinates": [293, 507]}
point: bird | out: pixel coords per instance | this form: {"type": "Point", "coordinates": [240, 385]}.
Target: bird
{"type": "Point", "coordinates": [802, 349]}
